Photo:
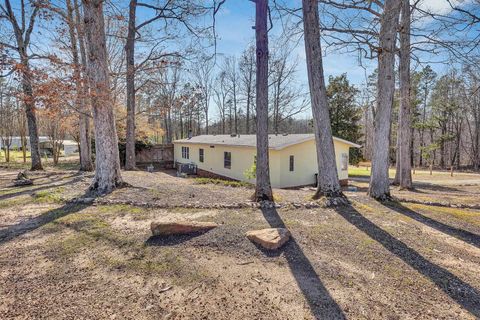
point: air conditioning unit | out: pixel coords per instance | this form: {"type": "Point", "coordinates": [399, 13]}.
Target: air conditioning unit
{"type": "Point", "coordinates": [186, 169]}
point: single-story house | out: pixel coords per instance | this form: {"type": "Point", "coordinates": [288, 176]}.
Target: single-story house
{"type": "Point", "coordinates": [293, 159]}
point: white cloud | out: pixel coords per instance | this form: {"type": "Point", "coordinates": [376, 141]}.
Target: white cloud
{"type": "Point", "coordinates": [440, 6]}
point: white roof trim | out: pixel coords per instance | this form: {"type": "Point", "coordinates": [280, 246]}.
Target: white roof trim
{"type": "Point", "coordinates": [280, 147]}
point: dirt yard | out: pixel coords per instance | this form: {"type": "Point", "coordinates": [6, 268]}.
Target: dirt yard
{"type": "Point", "coordinates": [370, 260]}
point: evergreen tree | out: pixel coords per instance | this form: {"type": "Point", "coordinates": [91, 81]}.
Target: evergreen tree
{"type": "Point", "coordinates": [345, 113]}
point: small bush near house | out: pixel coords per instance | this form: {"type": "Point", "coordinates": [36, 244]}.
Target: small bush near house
{"type": "Point", "coordinates": [227, 183]}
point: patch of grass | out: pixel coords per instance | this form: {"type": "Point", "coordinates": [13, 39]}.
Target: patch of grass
{"type": "Point", "coordinates": [70, 245]}
{"type": "Point", "coordinates": [90, 231]}
{"type": "Point", "coordinates": [277, 198]}
{"type": "Point", "coordinates": [16, 201]}
{"type": "Point", "coordinates": [291, 223]}
{"type": "Point", "coordinates": [66, 165]}
{"type": "Point", "coordinates": [365, 172]}
{"type": "Point", "coordinates": [119, 208]}
{"type": "Point", "coordinates": [468, 215]}
{"type": "Point", "coordinates": [362, 207]}
{"type": "Point", "coordinates": [226, 183]}
{"type": "Point", "coordinates": [49, 196]}
{"type": "Point", "coordinates": [366, 242]}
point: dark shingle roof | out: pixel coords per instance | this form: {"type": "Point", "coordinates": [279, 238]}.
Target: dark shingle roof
{"type": "Point", "coordinates": [276, 142]}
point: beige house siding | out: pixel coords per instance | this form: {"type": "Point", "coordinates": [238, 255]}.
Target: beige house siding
{"type": "Point", "coordinates": [305, 161]}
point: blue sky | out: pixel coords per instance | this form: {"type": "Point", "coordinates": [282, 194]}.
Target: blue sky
{"type": "Point", "coordinates": [234, 27]}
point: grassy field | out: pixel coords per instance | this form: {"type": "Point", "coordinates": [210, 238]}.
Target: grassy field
{"type": "Point", "coordinates": [16, 161]}
{"type": "Point", "coordinates": [365, 171]}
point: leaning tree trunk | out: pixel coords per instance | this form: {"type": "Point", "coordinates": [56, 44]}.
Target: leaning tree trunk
{"type": "Point", "coordinates": [328, 184]}
{"type": "Point", "coordinates": [404, 135]}
{"type": "Point", "coordinates": [130, 80]}
{"type": "Point", "coordinates": [379, 180]}
{"type": "Point", "coordinates": [85, 151]}
{"type": "Point", "coordinates": [263, 190]}
{"type": "Point", "coordinates": [107, 169]}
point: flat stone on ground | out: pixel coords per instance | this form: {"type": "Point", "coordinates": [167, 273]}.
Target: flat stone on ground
{"type": "Point", "coordinates": [271, 238]}
{"type": "Point", "coordinates": [180, 227]}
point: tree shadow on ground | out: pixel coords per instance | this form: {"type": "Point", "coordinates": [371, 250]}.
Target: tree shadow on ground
{"type": "Point", "coordinates": [321, 303]}
{"type": "Point", "coordinates": [463, 293]}
{"type": "Point", "coordinates": [46, 186]}
{"type": "Point", "coordinates": [433, 187]}
{"type": "Point", "coordinates": [33, 223]}
{"type": "Point", "coordinates": [172, 240]}
{"type": "Point", "coordinates": [460, 234]}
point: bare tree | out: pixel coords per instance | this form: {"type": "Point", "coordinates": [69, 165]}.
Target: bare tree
{"type": "Point", "coordinates": [247, 82]}
{"type": "Point", "coordinates": [203, 79]}
{"type": "Point", "coordinates": [231, 75]}
{"type": "Point", "coordinates": [74, 29]}
{"type": "Point", "coordinates": [130, 80]}
{"type": "Point", "coordinates": [263, 190]}
{"type": "Point", "coordinates": [403, 175]}
{"type": "Point", "coordinates": [379, 180]}
{"type": "Point", "coordinates": [221, 98]}
{"type": "Point", "coordinates": [23, 31]}
{"type": "Point", "coordinates": [7, 119]}
{"type": "Point", "coordinates": [107, 170]}
{"type": "Point", "coordinates": [328, 183]}
{"type": "Point", "coordinates": [287, 99]}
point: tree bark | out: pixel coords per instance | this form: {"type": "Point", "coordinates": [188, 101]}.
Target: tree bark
{"type": "Point", "coordinates": [107, 171]}
{"type": "Point", "coordinates": [23, 41]}
{"type": "Point", "coordinates": [404, 136]}
{"type": "Point", "coordinates": [263, 190]}
{"type": "Point", "coordinates": [31, 116]}
{"type": "Point", "coordinates": [328, 184]}
{"type": "Point", "coordinates": [379, 180]}
{"type": "Point", "coordinates": [130, 78]}
{"type": "Point", "coordinates": [85, 151]}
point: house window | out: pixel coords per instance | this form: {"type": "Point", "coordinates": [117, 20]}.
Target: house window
{"type": "Point", "coordinates": [227, 160]}
{"type": "Point", "coordinates": [344, 161]}
{"type": "Point", "coordinates": [292, 163]}
{"type": "Point", "coordinates": [201, 155]}
{"type": "Point", "coordinates": [185, 152]}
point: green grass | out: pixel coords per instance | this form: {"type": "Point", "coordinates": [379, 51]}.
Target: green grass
{"type": "Point", "coordinates": [467, 215]}
{"type": "Point", "coordinates": [16, 162]}
{"type": "Point", "coordinates": [365, 172]}
{"type": "Point", "coordinates": [226, 183]}
{"type": "Point", "coordinates": [49, 196]}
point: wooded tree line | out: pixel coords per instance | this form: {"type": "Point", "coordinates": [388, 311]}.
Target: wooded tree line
{"type": "Point", "coordinates": [445, 124]}
{"type": "Point", "coordinates": [109, 70]}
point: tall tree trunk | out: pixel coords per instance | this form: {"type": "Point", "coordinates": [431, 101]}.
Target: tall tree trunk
{"type": "Point", "coordinates": [379, 180]}
{"type": "Point", "coordinates": [130, 56]}
{"type": "Point", "coordinates": [107, 170]}
{"type": "Point", "coordinates": [403, 174]}
{"type": "Point", "coordinates": [263, 190]}
{"type": "Point", "coordinates": [247, 121]}
{"type": "Point", "coordinates": [206, 121]}
{"type": "Point", "coordinates": [31, 116]}
{"type": "Point", "coordinates": [22, 38]}
{"type": "Point", "coordinates": [85, 151]}
{"type": "Point", "coordinates": [328, 184]}
{"type": "Point", "coordinates": [85, 117]}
